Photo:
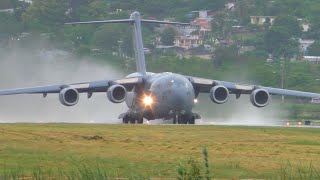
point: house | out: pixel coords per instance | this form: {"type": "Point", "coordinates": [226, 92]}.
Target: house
{"type": "Point", "coordinates": [230, 6]}
{"type": "Point", "coordinates": [260, 20]}
{"type": "Point", "coordinates": [204, 26]}
{"type": "Point", "coordinates": [188, 42]}
{"type": "Point", "coordinates": [305, 24]}
{"type": "Point", "coordinates": [315, 100]}
{"type": "Point", "coordinates": [315, 59]}
{"type": "Point", "coordinates": [244, 49]}
{"type": "Point", "coordinates": [203, 23]}
{"type": "Point", "coordinates": [6, 10]}
{"type": "Point", "coordinates": [225, 42]}
{"type": "Point", "coordinates": [11, 10]}
{"type": "Point", "coordinates": [304, 44]}
{"type": "Point", "coordinates": [185, 30]}
{"type": "Point", "coordinates": [27, 1]}
{"type": "Point", "coordinates": [204, 14]}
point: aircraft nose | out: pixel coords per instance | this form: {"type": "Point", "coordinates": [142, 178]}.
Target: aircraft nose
{"type": "Point", "coordinates": [172, 94]}
{"type": "Point", "coordinates": [179, 99]}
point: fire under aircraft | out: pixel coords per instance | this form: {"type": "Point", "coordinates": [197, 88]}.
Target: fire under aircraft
{"type": "Point", "coordinates": [157, 95]}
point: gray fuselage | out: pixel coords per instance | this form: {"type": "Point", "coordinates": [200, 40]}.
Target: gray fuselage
{"type": "Point", "coordinates": [171, 93]}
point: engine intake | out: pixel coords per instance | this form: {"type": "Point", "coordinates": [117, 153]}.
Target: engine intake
{"type": "Point", "coordinates": [117, 93]}
{"type": "Point", "coordinates": [260, 98]}
{"type": "Point", "coordinates": [219, 94]}
{"type": "Point", "coordinates": [69, 96]}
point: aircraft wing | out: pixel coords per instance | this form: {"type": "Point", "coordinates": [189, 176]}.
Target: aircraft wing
{"type": "Point", "coordinates": [204, 86]}
{"type": "Point", "coordinates": [86, 87]}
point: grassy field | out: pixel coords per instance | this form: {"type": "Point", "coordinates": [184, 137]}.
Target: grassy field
{"type": "Point", "coordinates": [156, 151]}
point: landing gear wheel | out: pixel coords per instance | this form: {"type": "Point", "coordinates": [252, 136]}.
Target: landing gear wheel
{"type": "Point", "coordinates": [125, 120]}
{"type": "Point", "coordinates": [182, 119]}
{"type": "Point", "coordinates": [192, 120]}
{"type": "Point", "coordinates": [132, 121]}
{"type": "Point", "coordinates": [140, 120]}
{"type": "Point", "coordinates": [174, 119]}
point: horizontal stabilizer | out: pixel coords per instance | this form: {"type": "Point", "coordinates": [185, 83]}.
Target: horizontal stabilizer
{"type": "Point", "coordinates": [127, 21]}
{"type": "Point", "coordinates": [102, 22]}
{"type": "Point", "coordinates": [164, 22]}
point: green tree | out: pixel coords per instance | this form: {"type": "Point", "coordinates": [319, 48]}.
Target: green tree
{"type": "Point", "coordinates": [98, 9]}
{"type": "Point", "coordinates": [167, 36]}
{"type": "Point", "coordinates": [108, 37]}
{"type": "Point", "coordinates": [296, 8]}
{"type": "Point", "coordinates": [314, 49]}
{"type": "Point", "coordinates": [280, 38]}
{"type": "Point", "coordinates": [9, 24]}
{"type": "Point", "coordinates": [314, 10]}
{"type": "Point", "coordinates": [242, 12]}
{"type": "Point", "coordinates": [314, 31]}
{"type": "Point", "coordinates": [77, 35]}
{"type": "Point", "coordinates": [6, 4]}
{"type": "Point", "coordinates": [221, 26]}
{"type": "Point", "coordinates": [290, 24]}
{"type": "Point", "coordinates": [46, 15]}
{"type": "Point", "coordinates": [223, 55]}
{"type": "Point", "coordinates": [288, 50]}
{"type": "Point", "coordinates": [207, 4]}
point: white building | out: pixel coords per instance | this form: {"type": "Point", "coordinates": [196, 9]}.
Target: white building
{"type": "Point", "coordinates": [230, 6]}
{"type": "Point", "coordinates": [260, 20]}
{"type": "Point", "coordinates": [12, 10]}
{"type": "Point", "coordinates": [304, 44]}
{"type": "Point", "coordinates": [187, 42]}
{"type": "Point", "coordinates": [305, 24]}
{"type": "Point", "coordinates": [203, 23]}
{"type": "Point", "coordinates": [315, 59]}
{"type": "Point", "coordinates": [27, 1]}
{"type": "Point", "coordinates": [7, 10]}
{"type": "Point", "coordinates": [185, 30]}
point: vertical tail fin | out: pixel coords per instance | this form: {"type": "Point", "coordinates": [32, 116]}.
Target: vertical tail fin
{"type": "Point", "coordinates": [138, 43]}
{"type": "Point", "coordinates": [135, 20]}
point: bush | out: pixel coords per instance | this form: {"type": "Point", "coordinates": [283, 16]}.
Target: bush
{"type": "Point", "coordinates": [192, 169]}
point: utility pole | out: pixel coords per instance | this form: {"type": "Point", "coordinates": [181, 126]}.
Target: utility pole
{"type": "Point", "coordinates": [119, 48]}
{"type": "Point", "coordinates": [282, 78]}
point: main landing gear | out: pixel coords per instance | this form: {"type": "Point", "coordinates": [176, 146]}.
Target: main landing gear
{"type": "Point", "coordinates": [184, 119]}
{"type": "Point", "coordinates": [132, 120]}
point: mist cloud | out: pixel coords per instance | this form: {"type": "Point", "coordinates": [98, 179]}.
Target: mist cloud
{"type": "Point", "coordinates": [239, 112]}
{"type": "Point", "coordinates": [22, 68]}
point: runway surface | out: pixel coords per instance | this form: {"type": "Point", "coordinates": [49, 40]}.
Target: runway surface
{"type": "Point", "coordinates": [284, 124]}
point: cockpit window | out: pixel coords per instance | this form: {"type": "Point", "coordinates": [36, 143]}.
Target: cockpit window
{"type": "Point", "coordinates": [169, 83]}
{"type": "Point", "coordinates": [177, 83]}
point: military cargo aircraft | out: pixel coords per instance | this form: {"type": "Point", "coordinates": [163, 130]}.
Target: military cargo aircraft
{"type": "Point", "coordinates": [157, 95]}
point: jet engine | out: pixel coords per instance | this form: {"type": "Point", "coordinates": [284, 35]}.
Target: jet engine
{"type": "Point", "coordinates": [117, 93]}
{"type": "Point", "coordinates": [69, 96]}
{"type": "Point", "coordinates": [260, 98]}
{"type": "Point", "coordinates": [219, 94]}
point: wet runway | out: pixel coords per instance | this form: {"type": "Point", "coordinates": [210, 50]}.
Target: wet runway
{"type": "Point", "coordinates": [283, 124]}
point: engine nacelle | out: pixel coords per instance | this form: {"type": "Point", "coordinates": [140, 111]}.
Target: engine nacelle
{"type": "Point", "coordinates": [117, 93]}
{"type": "Point", "coordinates": [260, 98]}
{"type": "Point", "coordinates": [219, 94]}
{"type": "Point", "coordinates": [69, 96]}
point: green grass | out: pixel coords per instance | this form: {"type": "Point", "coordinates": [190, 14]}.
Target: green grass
{"type": "Point", "coordinates": [154, 151]}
